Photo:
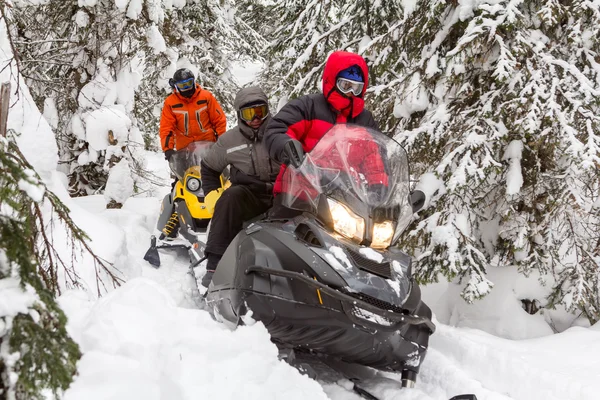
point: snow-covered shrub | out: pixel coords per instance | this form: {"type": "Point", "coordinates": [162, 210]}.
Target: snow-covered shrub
{"type": "Point", "coordinates": [95, 64]}
{"type": "Point", "coordinates": [497, 103]}
{"type": "Point", "coordinates": [119, 185]}
{"type": "Point", "coordinates": [37, 356]}
{"type": "Point", "coordinates": [500, 101]}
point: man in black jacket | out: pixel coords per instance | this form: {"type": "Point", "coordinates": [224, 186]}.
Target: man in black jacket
{"type": "Point", "coordinates": [252, 174]}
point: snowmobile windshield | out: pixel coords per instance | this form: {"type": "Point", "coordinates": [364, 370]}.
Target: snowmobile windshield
{"type": "Point", "coordinates": [357, 172]}
{"type": "Point", "coordinates": [189, 157]}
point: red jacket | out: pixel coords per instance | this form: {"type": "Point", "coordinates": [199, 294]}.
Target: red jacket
{"type": "Point", "coordinates": [358, 158]}
{"type": "Point", "coordinates": [309, 117]}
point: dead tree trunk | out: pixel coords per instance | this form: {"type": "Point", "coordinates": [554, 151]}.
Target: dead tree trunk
{"type": "Point", "coordinates": [4, 102]}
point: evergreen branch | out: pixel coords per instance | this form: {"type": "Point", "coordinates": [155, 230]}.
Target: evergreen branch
{"type": "Point", "coordinates": [75, 232]}
{"type": "Point", "coordinates": [43, 356]}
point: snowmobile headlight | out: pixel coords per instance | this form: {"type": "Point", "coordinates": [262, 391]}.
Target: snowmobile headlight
{"type": "Point", "coordinates": [193, 184]}
{"type": "Point", "coordinates": [345, 222]}
{"type": "Point", "coordinates": [382, 235]}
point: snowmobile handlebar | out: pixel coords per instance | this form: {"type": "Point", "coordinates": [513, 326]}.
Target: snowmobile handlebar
{"type": "Point", "coordinates": [399, 318]}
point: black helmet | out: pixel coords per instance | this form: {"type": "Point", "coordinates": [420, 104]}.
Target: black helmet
{"type": "Point", "coordinates": [182, 74]}
{"type": "Point", "coordinates": [184, 82]}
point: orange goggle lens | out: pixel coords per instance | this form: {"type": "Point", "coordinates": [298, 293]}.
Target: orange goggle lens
{"type": "Point", "coordinates": [259, 111]}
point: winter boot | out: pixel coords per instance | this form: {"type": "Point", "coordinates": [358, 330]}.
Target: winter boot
{"type": "Point", "coordinates": [207, 278]}
{"type": "Point", "coordinates": [211, 266]}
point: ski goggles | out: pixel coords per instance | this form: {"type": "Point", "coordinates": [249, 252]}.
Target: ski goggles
{"type": "Point", "coordinates": [258, 111]}
{"type": "Point", "coordinates": [346, 86]}
{"type": "Point", "coordinates": [185, 85]}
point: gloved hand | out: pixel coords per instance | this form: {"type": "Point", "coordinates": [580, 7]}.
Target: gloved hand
{"type": "Point", "coordinates": [210, 199]}
{"type": "Point", "coordinates": [293, 153]}
{"type": "Point", "coordinates": [168, 154]}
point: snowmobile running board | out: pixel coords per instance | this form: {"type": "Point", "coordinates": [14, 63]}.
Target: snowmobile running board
{"type": "Point", "coordinates": [398, 318]}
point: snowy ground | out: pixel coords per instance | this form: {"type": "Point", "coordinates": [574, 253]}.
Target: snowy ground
{"type": "Point", "coordinates": [147, 340]}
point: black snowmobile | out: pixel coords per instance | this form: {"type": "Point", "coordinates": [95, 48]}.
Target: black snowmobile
{"type": "Point", "coordinates": [330, 282]}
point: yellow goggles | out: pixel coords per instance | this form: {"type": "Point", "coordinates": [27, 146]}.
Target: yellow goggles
{"type": "Point", "coordinates": [259, 111]}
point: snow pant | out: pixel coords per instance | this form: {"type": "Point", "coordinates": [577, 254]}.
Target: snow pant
{"type": "Point", "coordinates": [236, 205]}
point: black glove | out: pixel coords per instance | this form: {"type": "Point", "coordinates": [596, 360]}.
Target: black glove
{"type": "Point", "coordinates": [168, 154]}
{"type": "Point", "coordinates": [292, 153]}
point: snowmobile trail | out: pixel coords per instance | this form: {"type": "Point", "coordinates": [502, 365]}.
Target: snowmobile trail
{"type": "Point", "coordinates": [137, 221]}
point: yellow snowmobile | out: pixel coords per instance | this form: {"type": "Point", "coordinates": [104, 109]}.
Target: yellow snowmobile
{"type": "Point", "coordinates": [184, 211]}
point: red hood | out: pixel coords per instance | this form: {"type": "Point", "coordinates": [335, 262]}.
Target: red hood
{"type": "Point", "coordinates": [339, 61]}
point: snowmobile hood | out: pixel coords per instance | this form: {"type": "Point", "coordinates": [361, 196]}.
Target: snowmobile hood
{"type": "Point", "coordinates": [337, 62]}
{"type": "Point", "coordinates": [245, 97]}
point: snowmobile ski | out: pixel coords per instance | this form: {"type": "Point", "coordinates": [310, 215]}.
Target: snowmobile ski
{"type": "Point", "coordinates": [152, 255]}
{"type": "Point", "coordinates": [328, 370]}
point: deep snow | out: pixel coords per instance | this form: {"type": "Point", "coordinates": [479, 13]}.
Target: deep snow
{"type": "Point", "coordinates": [147, 340]}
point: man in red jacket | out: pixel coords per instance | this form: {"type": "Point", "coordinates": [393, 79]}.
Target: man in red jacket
{"type": "Point", "coordinates": [302, 122]}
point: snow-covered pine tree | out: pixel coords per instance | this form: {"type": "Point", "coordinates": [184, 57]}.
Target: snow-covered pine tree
{"type": "Point", "coordinates": [100, 70]}
{"type": "Point", "coordinates": [372, 31]}
{"type": "Point", "coordinates": [37, 356]}
{"type": "Point", "coordinates": [206, 37]}
{"type": "Point", "coordinates": [258, 16]}
{"type": "Point", "coordinates": [298, 47]}
{"type": "Point", "coordinates": [500, 100]}
{"type": "Point", "coordinates": [82, 61]}
{"type": "Point", "coordinates": [307, 31]}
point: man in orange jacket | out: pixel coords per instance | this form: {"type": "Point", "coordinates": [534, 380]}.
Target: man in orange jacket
{"type": "Point", "coordinates": [190, 114]}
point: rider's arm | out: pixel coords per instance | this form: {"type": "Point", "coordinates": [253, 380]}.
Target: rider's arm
{"type": "Point", "coordinates": [368, 120]}
{"type": "Point", "coordinates": [213, 163]}
{"type": "Point", "coordinates": [168, 123]}
{"type": "Point", "coordinates": [290, 122]}
{"type": "Point", "coordinates": [216, 115]}
{"type": "Point", "coordinates": [210, 178]}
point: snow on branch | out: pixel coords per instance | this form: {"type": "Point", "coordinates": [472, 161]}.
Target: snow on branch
{"type": "Point", "coordinates": [57, 272]}
{"type": "Point", "coordinates": [511, 125]}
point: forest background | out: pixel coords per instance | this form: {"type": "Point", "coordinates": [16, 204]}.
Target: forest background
{"type": "Point", "coordinates": [496, 101]}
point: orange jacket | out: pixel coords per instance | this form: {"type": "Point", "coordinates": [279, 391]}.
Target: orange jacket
{"type": "Point", "coordinates": [187, 120]}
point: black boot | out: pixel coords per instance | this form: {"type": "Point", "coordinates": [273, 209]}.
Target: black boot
{"type": "Point", "coordinates": [211, 266]}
